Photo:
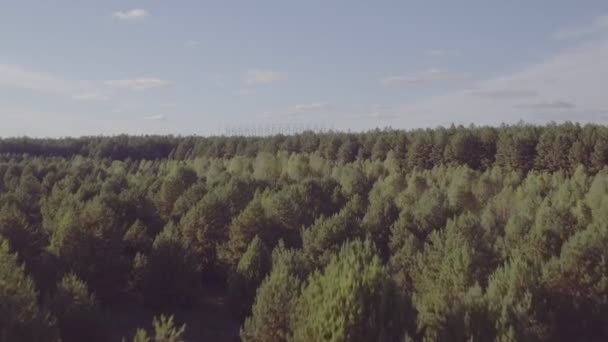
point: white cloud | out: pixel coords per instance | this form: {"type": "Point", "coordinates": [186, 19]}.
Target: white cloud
{"type": "Point", "coordinates": [18, 77]}
{"type": "Point", "coordinates": [599, 24]}
{"type": "Point", "coordinates": [21, 78]}
{"type": "Point", "coordinates": [505, 94]}
{"type": "Point", "coordinates": [258, 77]}
{"type": "Point", "coordinates": [43, 123]}
{"type": "Point", "coordinates": [424, 77]}
{"type": "Point", "coordinates": [375, 113]}
{"type": "Point", "coordinates": [574, 76]}
{"type": "Point", "coordinates": [133, 14]}
{"type": "Point", "coordinates": [91, 96]}
{"type": "Point", "coordinates": [548, 105]}
{"type": "Point", "coordinates": [143, 83]}
{"type": "Point", "coordinates": [299, 110]}
{"type": "Point", "coordinates": [309, 107]}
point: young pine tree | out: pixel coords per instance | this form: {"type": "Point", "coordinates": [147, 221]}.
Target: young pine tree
{"type": "Point", "coordinates": [77, 311]}
{"type": "Point", "coordinates": [353, 299]}
{"type": "Point", "coordinates": [21, 318]}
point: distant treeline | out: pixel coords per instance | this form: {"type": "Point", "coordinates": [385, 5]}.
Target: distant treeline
{"type": "Point", "coordinates": [520, 147]}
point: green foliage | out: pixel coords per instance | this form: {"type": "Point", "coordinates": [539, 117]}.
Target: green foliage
{"type": "Point", "coordinates": [444, 274]}
{"type": "Point", "coordinates": [325, 237]}
{"type": "Point", "coordinates": [476, 233]}
{"type": "Point", "coordinates": [203, 229]}
{"type": "Point", "coordinates": [428, 213]}
{"type": "Point", "coordinates": [164, 331]}
{"type": "Point", "coordinates": [462, 149]}
{"type": "Point", "coordinates": [77, 311]}
{"type": "Point", "coordinates": [21, 319]}
{"type": "Point", "coordinates": [166, 277]}
{"type": "Point", "coordinates": [188, 199]}
{"type": "Point", "coordinates": [353, 299]}
{"type": "Point", "coordinates": [88, 238]}
{"type": "Point", "coordinates": [515, 150]}
{"type": "Point", "coordinates": [352, 179]}
{"type": "Point", "coordinates": [275, 303]}
{"type": "Point", "coordinates": [419, 153]}
{"type": "Point", "coordinates": [298, 167]}
{"type": "Point", "coordinates": [251, 222]}
{"type": "Point", "coordinates": [250, 271]}
{"type": "Point", "coordinates": [266, 167]}
{"type": "Point", "coordinates": [515, 302]}
{"type": "Point", "coordinates": [577, 285]}
{"type": "Point", "coordinates": [173, 187]}
{"type": "Point", "coordinates": [137, 238]}
{"type": "Point", "coordinates": [24, 238]}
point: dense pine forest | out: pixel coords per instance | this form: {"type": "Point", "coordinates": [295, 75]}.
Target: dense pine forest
{"type": "Point", "coordinates": [447, 234]}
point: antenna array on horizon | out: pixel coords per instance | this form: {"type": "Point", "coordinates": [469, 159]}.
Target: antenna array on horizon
{"type": "Point", "coordinates": [264, 130]}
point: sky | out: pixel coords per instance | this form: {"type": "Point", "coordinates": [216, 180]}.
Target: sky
{"type": "Point", "coordinates": [74, 68]}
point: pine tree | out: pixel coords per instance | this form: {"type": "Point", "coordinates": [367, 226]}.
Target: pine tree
{"type": "Point", "coordinates": [250, 271]}
{"type": "Point", "coordinates": [325, 237]}
{"type": "Point", "coordinates": [249, 223]}
{"type": "Point", "coordinates": [136, 238]}
{"type": "Point", "coordinates": [167, 276]}
{"type": "Point", "coordinates": [88, 240]}
{"type": "Point", "coordinates": [577, 285]}
{"type": "Point", "coordinates": [21, 318]}
{"type": "Point", "coordinates": [353, 299]}
{"type": "Point", "coordinates": [24, 238]}
{"type": "Point", "coordinates": [176, 183]}
{"type": "Point", "coordinates": [203, 229]}
{"type": "Point", "coordinates": [515, 302]}
{"type": "Point", "coordinates": [77, 311]}
{"type": "Point", "coordinates": [445, 277]}
{"type": "Point", "coordinates": [275, 303]}
{"type": "Point", "coordinates": [164, 331]}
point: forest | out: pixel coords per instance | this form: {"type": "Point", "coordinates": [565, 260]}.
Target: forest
{"type": "Point", "coordinates": [445, 234]}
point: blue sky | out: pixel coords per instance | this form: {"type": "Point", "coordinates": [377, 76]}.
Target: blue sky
{"type": "Point", "coordinates": [71, 68]}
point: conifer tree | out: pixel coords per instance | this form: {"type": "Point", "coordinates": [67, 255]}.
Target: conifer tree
{"type": "Point", "coordinates": [353, 299]}
{"type": "Point", "coordinates": [164, 331]}
{"type": "Point", "coordinates": [275, 303]}
{"type": "Point", "coordinates": [21, 317]}
{"type": "Point", "coordinates": [250, 271]}
{"type": "Point", "coordinates": [78, 315]}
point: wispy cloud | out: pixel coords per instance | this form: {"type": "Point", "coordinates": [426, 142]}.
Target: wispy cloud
{"type": "Point", "coordinates": [299, 110]}
{"type": "Point", "coordinates": [43, 123]}
{"type": "Point", "coordinates": [505, 94]}
{"type": "Point", "coordinates": [91, 96]}
{"type": "Point", "coordinates": [599, 24]}
{"type": "Point", "coordinates": [380, 116]}
{"type": "Point", "coordinates": [22, 78]}
{"type": "Point", "coordinates": [548, 105]}
{"type": "Point", "coordinates": [375, 113]}
{"type": "Point", "coordinates": [259, 77]}
{"type": "Point", "coordinates": [18, 77]}
{"type": "Point", "coordinates": [315, 106]}
{"type": "Point", "coordinates": [424, 77]}
{"type": "Point", "coordinates": [569, 85]}
{"type": "Point", "coordinates": [133, 14]}
{"type": "Point", "coordinates": [143, 83]}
